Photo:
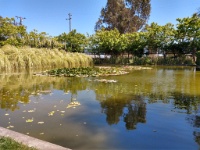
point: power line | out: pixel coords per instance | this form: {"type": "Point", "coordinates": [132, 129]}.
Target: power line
{"type": "Point", "coordinates": [20, 20]}
{"type": "Point", "coordinates": [69, 21]}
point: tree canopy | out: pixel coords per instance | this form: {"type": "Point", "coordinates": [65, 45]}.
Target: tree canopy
{"type": "Point", "coordinates": [73, 41]}
{"type": "Point", "coordinates": [124, 15]}
{"type": "Point", "coordinates": [165, 39]}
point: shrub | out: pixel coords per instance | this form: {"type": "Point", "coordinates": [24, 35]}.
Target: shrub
{"type": "Point", "coordinates": [198, 58]}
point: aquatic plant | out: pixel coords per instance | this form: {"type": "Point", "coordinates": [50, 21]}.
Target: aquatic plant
{"type": "Point", "coordinates": [85, 72]}
{"type": "Point", "coordinates": [14, 59]}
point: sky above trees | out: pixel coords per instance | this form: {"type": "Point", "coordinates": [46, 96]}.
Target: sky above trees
{"type": "Point", "coordinates": [50, 15]}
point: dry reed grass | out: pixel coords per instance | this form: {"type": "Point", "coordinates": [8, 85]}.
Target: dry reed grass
{"type": "Point", "coordinates": [15, 59]}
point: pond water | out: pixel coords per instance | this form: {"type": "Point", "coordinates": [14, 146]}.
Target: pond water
{"type": "Point", "coordinates": [158, 108]}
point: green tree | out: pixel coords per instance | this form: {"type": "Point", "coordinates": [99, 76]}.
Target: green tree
{"type": "Point", "coordinates": [10, 33]}
{"type": "Point", "coordinates": [188, 33]}
{"type": "Point", "coordinates": [160, 38]}
{"type": "Point", "coordinates": [198, 58]}
{"type": "Point", "coordinates": [73, 41]}
{"type": "Point", "coordinates": [124, 15]}
{"type": "Point", "coordinates": [137, 41]}
{"type": "Point", "coordinates": [107, 42]}
{"type": "Point", "coordinates": [33, 38]}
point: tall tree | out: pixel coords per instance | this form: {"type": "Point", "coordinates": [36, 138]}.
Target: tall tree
{"type": "Point", "coordinates": [10, 33]}
{"type": "Point", "coordinates": [160, 37]}
{"type": "Point", "coordinates": [125, 15]}
{"type": "Point", "coordinates": [73, 41]}
{"type": "Point", "coordinates": [188, 30]}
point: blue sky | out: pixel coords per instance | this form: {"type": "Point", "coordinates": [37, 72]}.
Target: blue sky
{"type": "Point", "coordinates": [50, 15]}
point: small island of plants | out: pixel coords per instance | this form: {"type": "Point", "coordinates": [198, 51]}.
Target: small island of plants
{"type": "Point", "coordinates": [90, 71]}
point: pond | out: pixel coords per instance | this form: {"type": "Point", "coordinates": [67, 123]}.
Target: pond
{"type": "Point", "coordinates": [156, 108]}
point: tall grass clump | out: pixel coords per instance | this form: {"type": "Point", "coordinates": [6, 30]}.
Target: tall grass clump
{"type": "Point", "coordinates": [16, 59]}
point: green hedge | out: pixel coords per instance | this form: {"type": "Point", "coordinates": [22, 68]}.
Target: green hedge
{"type": "Point", "coordinates": [198, 58]}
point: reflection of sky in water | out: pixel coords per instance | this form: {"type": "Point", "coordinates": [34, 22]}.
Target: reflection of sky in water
{"type": "Point", "coordinates": [147, 109]}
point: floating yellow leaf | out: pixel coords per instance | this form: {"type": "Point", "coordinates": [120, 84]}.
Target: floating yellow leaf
{"type": "Point", "coordinates": [73, 104]}
{"type": "Point", "coordinates": [29, 120]}
{"type": "Point", "coordinates": [51, 113]}
{"type": "Point", "coordinates": [31, 110]}
{"type": "Point", "coordinates": [10, 127]}
{"type": "Point", "coordinates": [6, 114]}
{"type": "Point", "coordinates": [41, 122]}
{"type": "Point", "coordinates": [62, 111]}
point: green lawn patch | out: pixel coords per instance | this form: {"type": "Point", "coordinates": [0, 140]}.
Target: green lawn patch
{"type": "Point", "coordinates": [7, 143]}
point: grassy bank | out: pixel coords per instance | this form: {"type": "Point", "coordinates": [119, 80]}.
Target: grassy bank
{"type": "Point", "coordinates": [12, 58]}
{"type": "Point", "coordinates": [10, 144]}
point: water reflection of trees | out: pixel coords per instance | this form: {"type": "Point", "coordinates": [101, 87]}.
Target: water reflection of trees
{"type": "Point", "coordinates": [189, 103]}
{"type": "Point", "coordinates": [121, 100]}
{"type": "Point", "coordinates": [117, 101]}
{"type": "Point", "coordinates": [16, 89]}
{"type": "Point", "coordinates": [132, 111]}
{"type": "Point", "coordinates": [9, 99]}
{"type": "Point", "coordinates": [136, 113]}
{"type": "Point", "coordinates": [194, 120]}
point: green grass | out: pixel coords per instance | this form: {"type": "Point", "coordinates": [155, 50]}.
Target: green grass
{"type": "Point", "coordinates": [10, 144]}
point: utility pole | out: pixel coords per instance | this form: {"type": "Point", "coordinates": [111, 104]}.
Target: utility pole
{"type": "Point", "coordinates": [69, 21]}
{"type": "Point", "coordinates": [20, 19]}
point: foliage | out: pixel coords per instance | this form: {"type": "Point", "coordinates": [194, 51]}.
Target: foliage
{"type": "Point", "coordinates": [162, 61]}
{"type": "Point", "coordinates": [124, 15]}
{"type": "Point", "coordinates": [41, 40]}
{"type": "Point", "coordinates": [73, 41]}
{"type": "Point", "coordinates": [188, 33]}
{"type": "Point", "coordinates": [198, 58]}
{"type": "Point", "coordinates": [85, 72]}
{"type": "Point", "coordinates": [11, 34]}
{"type": "Point", "coordinates": [7, 143]}
{"type": "Point", "coordinates": [118, 44]}
{"type": "Point", "coordinates": [137, 41]}
{"type": "Point", "coordinates": [160, 37]}
{"type": "Point", "coordinates": [107, 42]}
